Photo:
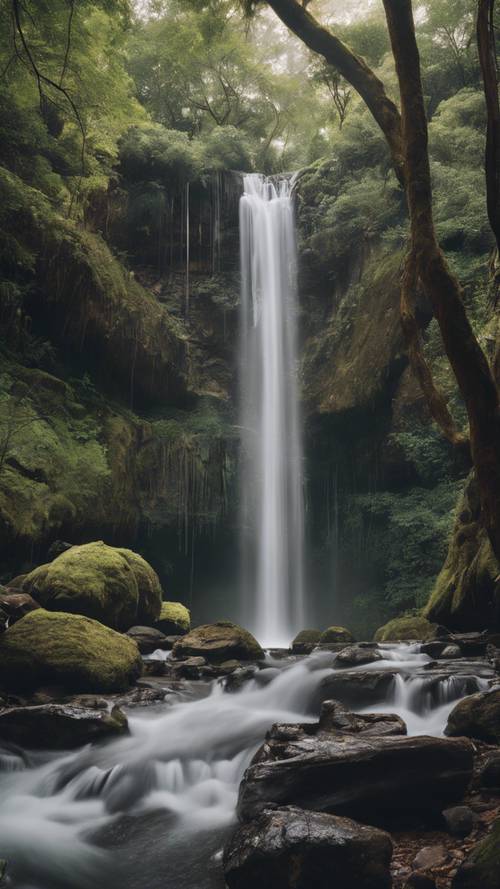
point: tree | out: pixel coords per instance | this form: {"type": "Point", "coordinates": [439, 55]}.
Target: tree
{"type": "Point", "coordinates": [407, 138]}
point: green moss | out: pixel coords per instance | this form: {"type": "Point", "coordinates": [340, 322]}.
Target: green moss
{"type": "Point", "coordinates": [305, 641]}
{"type": "Point", "coordinates": [53, 648]}
{"type": "Point", "coordinates": [336, 634]}
{"type": "Point", "coordinates": [219, 642]}
{"type": "Point", "coordinates": [406, 627]}
{"type": "Point", "coordinates": [112, 585]}
{"type": "Point", "coordinates": [174, 619]}
{"type": "Point", "coordinates": [482, 868]}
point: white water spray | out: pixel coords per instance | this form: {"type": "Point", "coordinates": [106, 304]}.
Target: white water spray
{"type": "Point", "coordinates": [272, 492]}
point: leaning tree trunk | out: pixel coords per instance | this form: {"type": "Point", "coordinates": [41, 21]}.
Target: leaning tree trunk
{"type": "Point", "coordinates": [469, 364]}
{"type": "Point", "coordinates": [486, 45]}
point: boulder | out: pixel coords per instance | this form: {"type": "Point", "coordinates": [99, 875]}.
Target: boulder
{"type": "Point", "coordinates": [114, 586]}
{"type": "Point", "coordinates": [373, 778]}
{"type": "Point", "coordinates": [219, 642]}
{"type": "Point", "coordinates": [459, 820]}
{"type": "Point", "coordinates": [420, 880]}
{"type": "Point", "coordinates": [305, 641]}
{"type": "Point", "coordinates": [356, 688]}
{"type": "Point", "coordinates": [289, 847]}
{"type": "Point", "coordinates": [357, 655]}
{"type": "Point", "coordinates": [148, 639]}
{"type": "Point", "coordinates": [402, 629]}
{"type": "Point", "coordinates": [16, 605]}
{"type": "Point", "coordinates": [60, 726]}
{"type": "Point", "coordinates": [334, 717]}
{"type": "Point", "coordinates": [336, 634]}
{"type": "Point", "coordinates": [476, 716]}
{"type": "Point", "coordinates": [490, 773]}
{"type": "Point", "coordinates": [174, 619]}
{"type": "Point", "coordinates": [451, 652]}
{"type": "Point", "coordinates": [481, 870]}
{"type": "Point", "coordinates": [68, 651]}
{"type": "Point", "coordinates": [431, 856]}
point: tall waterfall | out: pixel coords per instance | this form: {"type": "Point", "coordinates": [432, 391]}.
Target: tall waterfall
{"type": "Point", "coordinates": [272, 495]}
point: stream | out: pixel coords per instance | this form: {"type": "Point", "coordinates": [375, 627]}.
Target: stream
{"type": "Point", "coordinates": [152, 810]}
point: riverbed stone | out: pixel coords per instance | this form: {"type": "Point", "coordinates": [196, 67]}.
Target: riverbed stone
{"type": "Point", "coordinates": [357, 655]}
{"type": "Point", "coordinates": [431, 856]}
{"type": "Point", "coordinates": [377, 779]}
{"type": "Point", "coordinates": [148, 639]}
{"type": "Point", "coordinates": [356, 688]}
{"type": "Point", "coordinates": [490, 773]}
{"type": "Point", "coordinates": [15, 604]}
{"type": "Point", "coordinates": [174, 619]}
{"type": "Point", "coordinates": [336, 634]}
{"type": "Point", "coordinates": [219, 642]}
{"type": "Point", "coordinates": [112, 585]}
{"type": "Point", "coordinates": [459, 820]}
{"type": "Point", "coordinates": [60, 726]}
{"type": "Point", "coordinates": [291, 847]}
{"type": "Point", "coordinates": [305, 641]}
{"type": "Point", "coordinates": [335, 717]}
{"type": "Point", "coordinates": [476, 716]}
{"type": "Point", "coordinates": [68, 651]}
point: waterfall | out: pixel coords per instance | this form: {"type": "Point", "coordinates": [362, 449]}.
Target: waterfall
{"type": "Point", "coordinates": [272, 504]}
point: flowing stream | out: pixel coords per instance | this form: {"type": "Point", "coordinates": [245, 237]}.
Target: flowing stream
{"type": "Point", "coordinates": [270, 419]}
{"type": "Point", "coordinates": [151, 810]}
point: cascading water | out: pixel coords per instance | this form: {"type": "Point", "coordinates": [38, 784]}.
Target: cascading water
{"type": "Point", "coordinates": [270, 417]}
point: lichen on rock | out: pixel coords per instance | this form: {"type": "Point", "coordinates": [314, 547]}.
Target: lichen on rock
{"type": "Point", "coordinates": [174, 619]}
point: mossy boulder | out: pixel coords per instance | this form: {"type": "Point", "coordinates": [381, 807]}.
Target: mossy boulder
{"type": "Point", "coordinates": [336, 634]}
{"type": "Point", "coordinates": [482, 868]}
{"type": "Point", "coordinates": [406, 628]}
{"type": "Point", "coordinates": [66, 650]}
{"type": "Point", "coordinates": [305, 641]}
{"type": "Point", "coordinates": [114, 586]}
{"type": "Point", "coordinates": [219, 642]}
{"type": "Point", "coordinates": [174, 619]}
{"type": "Point", "coordinates": [476, 716]}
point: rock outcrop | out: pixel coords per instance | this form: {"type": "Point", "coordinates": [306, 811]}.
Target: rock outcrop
{"type": "Point", "coordinates": [476, 716]}
{"type": "Point", "coordinates": [219, 642]}
{"type": "Point", "coordinates": [60, 726]}
{"type": "Point", "coordinates": [174, 619]}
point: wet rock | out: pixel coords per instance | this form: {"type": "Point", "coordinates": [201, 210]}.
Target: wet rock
{"type": "Point", "coordinates": [17, 582]}
{"type": "Point", "coordinates": [336, 634]}
{"type": "Point", "coordinates": [420, 880]}
{"type": "Point", "coordinates": [477, 716]}
{"type": "Point", "coordinates": [471, 644]}
{"type": "Point", "coordinates": [289, 847]}
{"type": "Point", "coordinates": [356, 689]}
{"type": "Point", "coordinates": [373, 778]}
{"type": "Point", "coordinates": [219, 642]}
{"type": "Point", "coordinates": [191, 668]}
{"type": "Point", "coordinates": [356, 655]}
{"type": "Point", "coordinates": [433, 649]}
{"type": "Point", "coordinates": [451, 652]}
{"type": "Point", "coordinates": [174, 619]}
{"type": "Point", "coordinates": [148, 639]}
{"type": "Point", "coordinates": [481, 870]}
{"type": "Point", "coordinates": [4, 620]}
{"type": "Point", "coordinates": [335, 717]}
{"type": "Point", "coordinates": [236, 680]}
{"type": "Point", "coordinates": [490, 773]}
{"type": "Point", "coordinates": [459, 820]}
{"type": "Point", "coordinates": [431, 856]}
{"type": "Point", "coordinates": [49, 648]}
{"type": "Point", "coordinates": [60, 726]}
{"type": "Point", "coordinates": [112, 585]}
{"type": "Point", "coordinates": [15, 605]}
{"type": "Point", "coordinates": [305, 641]}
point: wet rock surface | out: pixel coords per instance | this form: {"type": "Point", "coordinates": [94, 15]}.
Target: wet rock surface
{"type": "Point", "coordinates": [477, 716]}
{"type": "Point", "coordinates": [219, 642]}
{"type": "Point", "coordinates": [60, 726]}
{"type": "Point", "coordinates": [290, 847]}
{"type": "Point", "coordinates": [148, 639]}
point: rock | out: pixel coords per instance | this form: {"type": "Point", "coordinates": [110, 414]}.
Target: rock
{"type": "Point", "coordinates": [289, 847]}
{"type": "Point", "coordinates": [191, 668]}
{"type": "Point", "coordinates": [305, 641]}
{"type": "Point", "coordinates": [17, 582]}
{"type": "Point", "coordinates": [406, 628]}
{"type": "Point", "coordinates": [356, 689]}
{"type": "Point", "coordinates": [48, 648]}
{"type": "Point", "coordinates": [355, 656]}
{"type": "Point", "coordinates": [477, 716]}
{"type": "Point", "coordinates": [420, 880]}
{"type": "Point", "coordinates": [60, 726]}
{"type": "Point", "coordinates": [219, 642]}
{"type": "Point", "coordinates": [114, 586]}
{"type": "Point", "coordinates": [15, 605]}
{"type": "Point", "coordinates": [336, 634]}
{"type": "Point", "coordinates": [434, 649]}
{"type": "Point", "coordinates": [334, 717]}
{"type": "Point", "coordinates": [490, 773]}
{"type": "Point", "coordinates": [451, 652]}
{"type": "Point", "coordinates": [148, 639]}
{"type": "Point", "coordinates": [373, 778]}
{"type": "Point", "coordinates": [481, 870]}
{"type": "Point", "coordinates": [237, 680]}
{"type": "Point", "coordinates": [4, 620]}
{"type": "Point", "coordinates": [459, 820]}
{"type": "Point", "coordinates": [174, 619]}
{"type": "Point", "coordinates": [57, 548]}
{"type": "Point", "coordinates": [430, 856]}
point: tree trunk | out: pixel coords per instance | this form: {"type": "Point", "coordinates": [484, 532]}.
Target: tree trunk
{"type": "Point", "coordinates": [466, 357]}
{"type": "Point", "coordinates": [486, 45]}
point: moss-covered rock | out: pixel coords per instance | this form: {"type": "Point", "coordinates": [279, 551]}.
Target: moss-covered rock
{"type": "Point", "coordinates": [403, 628]}
{"type": "Point", "coordinates": [219, 642]}
{"type": "Point", "coordinates": [114, 586]}
{"type": "Point", "coordinates": [482, 869]}
{"type": "Point", "coordinates": [476, 716]}
{"type": "Point", "coordinates": [336, 634]}
{"type": "Point", "coordinates": [174, 619]}
{"type": "Point", "coordinates": [66, 650]}
{"type": "Point", "coordinates": [466, 595]}
{"type": "Point", "coordinates": [305, 641]}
